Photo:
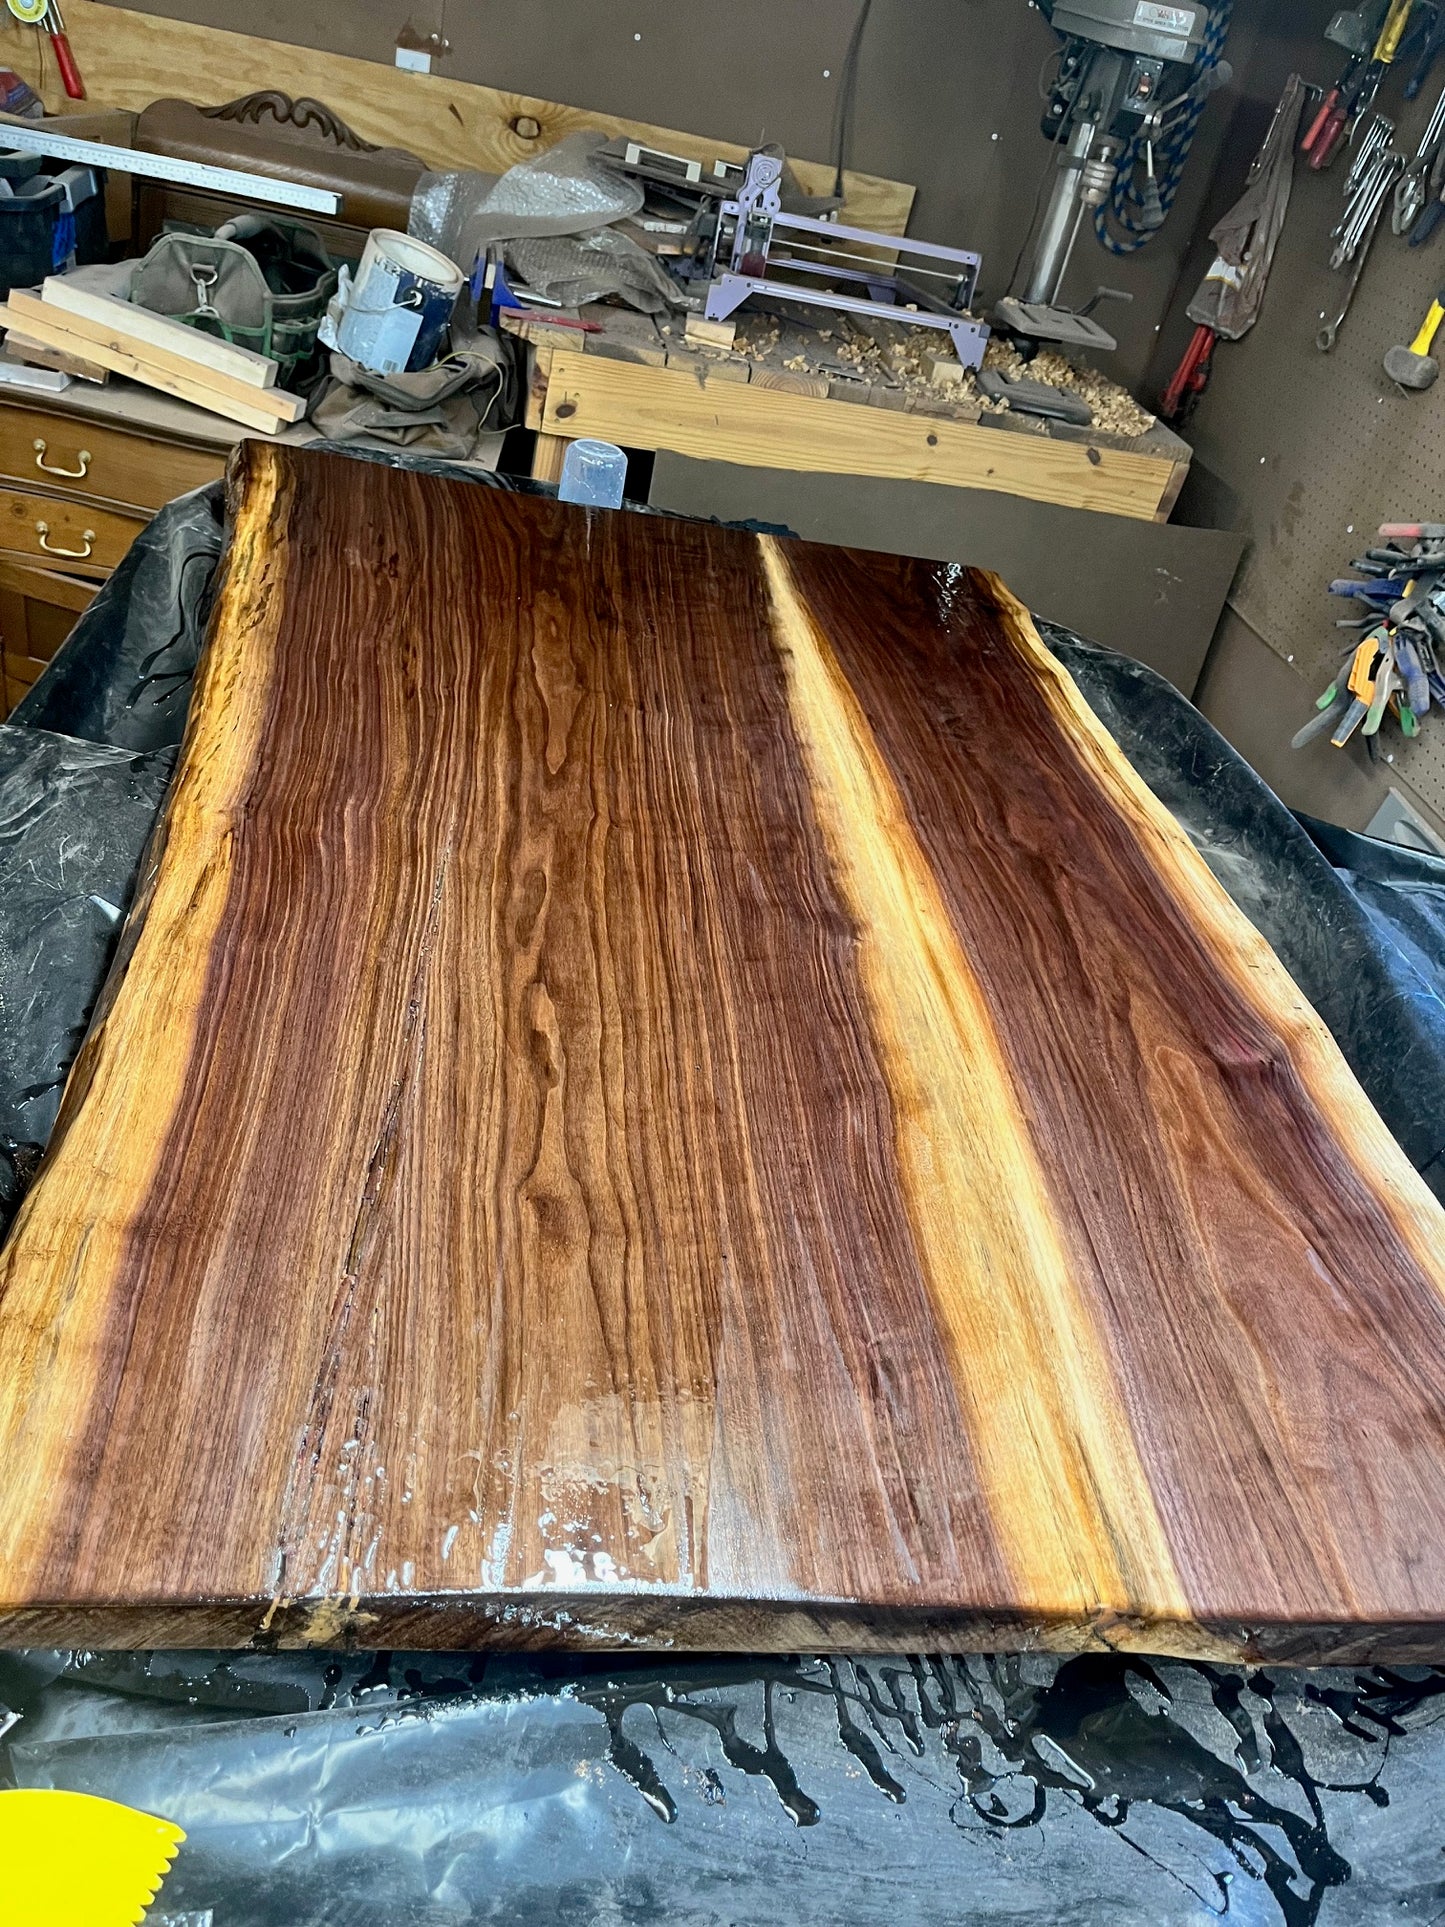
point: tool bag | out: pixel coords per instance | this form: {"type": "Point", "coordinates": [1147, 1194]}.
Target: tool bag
{"type": "Point", "coordinates": [259, 283]}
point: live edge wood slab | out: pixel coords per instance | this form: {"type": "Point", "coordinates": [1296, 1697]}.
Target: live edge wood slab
{"type": "Point", "coordinates": [671, 1088]}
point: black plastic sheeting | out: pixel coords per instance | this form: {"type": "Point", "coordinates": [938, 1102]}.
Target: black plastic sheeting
{"type": "Point", "coordinates": [73, 819]}
{"type": "Point", "coordinates": [123, 676]}
{"type": "Point", "coordinates": [346, 1790]}
{"type": "Point", "coordinates": [336, 1790]}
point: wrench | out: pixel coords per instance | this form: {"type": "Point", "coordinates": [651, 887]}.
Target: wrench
{"type": "Point", "coordinates": [1379, 132]}
{"type": "Point", "coordinates": [1325, 339]}
{"type": "Point", "coordinates": [1410, 195]}
{"type": "Point", "coordinates": [1361, 216]}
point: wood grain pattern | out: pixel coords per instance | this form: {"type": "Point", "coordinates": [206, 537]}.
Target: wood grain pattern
{"type": "Point", "coordinates": [673, 1088]}
{"type": "Point", "coordinates": [732, 421]}
{"type": "Point", "coordinates": [129, 59]}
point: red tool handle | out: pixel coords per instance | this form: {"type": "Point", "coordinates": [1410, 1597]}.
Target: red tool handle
{"type": "Point", "coordinates": [69, 72]}
{"type": "Point", "coordinates": [1192, 373]}
{"type": "Point", "coordinates": [1327, 140]}
{"type": "Point", "coordinates": [1316, 126]}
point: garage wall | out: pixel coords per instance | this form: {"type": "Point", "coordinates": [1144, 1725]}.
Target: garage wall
{"type": "Point", "coordinates": [947, 96]}
{"type": "Point", "coordinates": [1307, 453]}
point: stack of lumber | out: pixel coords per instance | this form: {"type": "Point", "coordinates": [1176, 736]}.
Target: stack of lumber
{"type": "Point", "coordinates": [98, 332]}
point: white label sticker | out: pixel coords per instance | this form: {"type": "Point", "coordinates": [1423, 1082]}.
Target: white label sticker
{"type": "Point", "coordinates": [1225, 271]}
{"type": "Point", "coordinates": [1164, 19]}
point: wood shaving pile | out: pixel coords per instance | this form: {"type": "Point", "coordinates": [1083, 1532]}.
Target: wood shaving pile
{"type": "Point", "coordinates": [1115, 409]}
{"type": "Point", "coordinates": [892, 355]}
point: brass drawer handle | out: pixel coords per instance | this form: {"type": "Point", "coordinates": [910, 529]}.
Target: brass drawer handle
{"type": "Point", "coordinates": [50, 468]}
{"type": "Point", "coordinates": [42, 529]}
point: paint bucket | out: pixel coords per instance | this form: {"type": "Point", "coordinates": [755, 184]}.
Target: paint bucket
{"type": "Point", "coordinates": [399, 304]}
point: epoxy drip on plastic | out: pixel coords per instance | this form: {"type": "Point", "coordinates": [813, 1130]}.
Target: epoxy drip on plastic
{"type": "Point", "coordinates": [1102, 1734]}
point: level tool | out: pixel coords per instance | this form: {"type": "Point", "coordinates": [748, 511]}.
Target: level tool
{"type": "Point", "coordinates": [38, 139]}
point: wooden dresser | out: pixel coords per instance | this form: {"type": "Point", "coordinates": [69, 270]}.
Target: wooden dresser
{"type": "Point", "coordinates": [81, 473]}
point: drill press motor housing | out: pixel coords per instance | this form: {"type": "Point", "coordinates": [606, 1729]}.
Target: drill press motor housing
{"type": "Point", "coordinates": [1126, 74]}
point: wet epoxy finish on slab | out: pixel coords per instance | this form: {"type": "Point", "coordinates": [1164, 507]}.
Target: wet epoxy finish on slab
{"type": "Point", "coordinates": [634, 1109]}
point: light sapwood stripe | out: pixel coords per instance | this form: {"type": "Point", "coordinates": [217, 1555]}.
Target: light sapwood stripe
{"type": "Point", "coordinates": [1251, 964]}
{"type": "Point", "coordinates": [1071, 1507]}
{"type": "Point", "coordinates": [63, 1261]}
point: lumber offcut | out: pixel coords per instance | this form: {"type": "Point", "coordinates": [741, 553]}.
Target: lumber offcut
{"type": "Point", "coordinates": [127, 56]}
{"type": "Point", "coordinates": [672, 1087]}
{"type": "Point", "coordinates": [263, 409]}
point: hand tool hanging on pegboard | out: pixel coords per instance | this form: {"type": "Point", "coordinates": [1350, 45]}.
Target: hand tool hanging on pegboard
{"type": "Point", "coordinates": [46, 15]}
{"type": "Point", "coordinates": [1354, 92]}
{"type": "Point", "coordinates": [1395, 668]}
{"type": "Point", "coordinates": [1416, 184]}
{"type": "Point", "coordinates": [1374, 171]}
{"type": "Point", "coordinates": [1413, 366]}
{"type": "Point", "coordinates": [1227, 302]}
{"type": "Point", "coordinates": [1424, 42]}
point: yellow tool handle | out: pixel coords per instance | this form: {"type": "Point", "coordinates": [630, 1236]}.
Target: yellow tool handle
{"type": "Point", "coordinates": [1421, 344]}
{"type": "Point", "coordinates": [1388, 44]}
{"type": "Point", "coordinates": [1361, 682]}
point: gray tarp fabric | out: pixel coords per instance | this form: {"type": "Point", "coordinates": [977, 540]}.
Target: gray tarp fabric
{"type": "Point", "coordinates": [1229, 297]}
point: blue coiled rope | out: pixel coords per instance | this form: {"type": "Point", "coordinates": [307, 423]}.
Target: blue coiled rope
{"type": "Point", "coordinates": [1119, 223]}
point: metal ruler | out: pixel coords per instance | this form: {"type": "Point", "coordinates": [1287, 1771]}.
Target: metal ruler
{"type": "Point", "coordinates": [37, 139]}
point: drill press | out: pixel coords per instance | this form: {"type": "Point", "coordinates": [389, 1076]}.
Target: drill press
{"type": "Point", "coordinates": [1132, 78]}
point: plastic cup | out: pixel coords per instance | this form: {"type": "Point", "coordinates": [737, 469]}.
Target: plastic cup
{"type": "Point", "coordinates": [593, 473]}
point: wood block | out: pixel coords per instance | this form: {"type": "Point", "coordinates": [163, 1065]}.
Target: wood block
{"type": "Point", "coordinates": [712, 334]}
{"type": "Point", "coordinates": [788, 381]}
{"type": "Point", "coordinates": [945, 370]}
{"type": "Point", "coordinates": [257, 414]}
{"type": "Point", "coordinates": [625, 336]}
{"type": "Point", "coordinates": [548, 454]}
{"type": "Point", "coordinates": [173, 338]}
{"type": "Point", "coordinates": [646, 354]}
{"type": "Point", "coordinates": [456, 1237]}
{"type": "Point", "coordinates": [942, 407]}
{"type": "Point", "coordinates": [25, 349]}
{"type": "Point", "coordinates": [42, 318]}
{"type": "Point", "coordinates": [705, 366]}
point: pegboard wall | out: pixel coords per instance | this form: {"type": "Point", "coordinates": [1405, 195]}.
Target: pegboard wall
{"type": "Point", "coordinates": [1308, 452]}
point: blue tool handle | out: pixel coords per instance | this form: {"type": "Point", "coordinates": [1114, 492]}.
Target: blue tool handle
{"type": "Point", "coordinates": [1426, 224]}
{"type": "Point", "coordinates": [1417, 686]}
{"type": "Point", "coordinates": [1367, 591]}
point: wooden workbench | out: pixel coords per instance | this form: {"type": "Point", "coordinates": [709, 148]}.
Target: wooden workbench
{"type": "Point", "coordinates": [638, 385]}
